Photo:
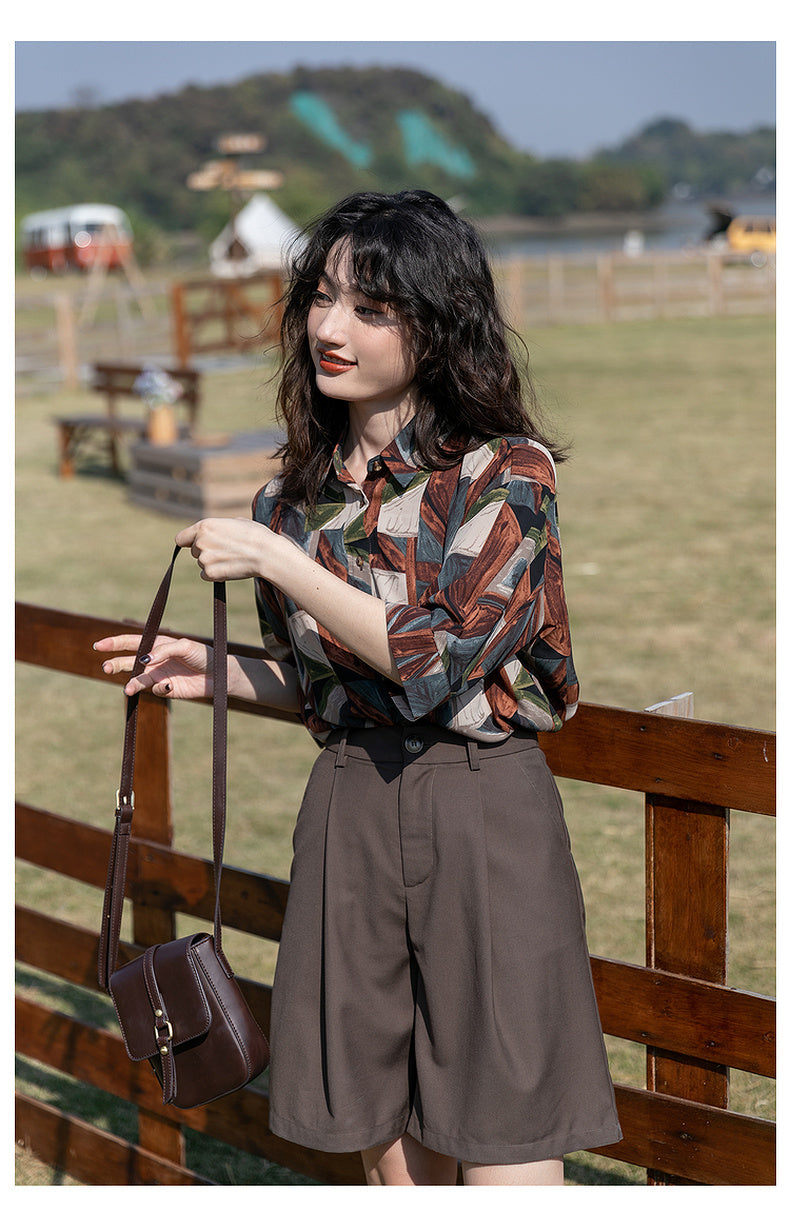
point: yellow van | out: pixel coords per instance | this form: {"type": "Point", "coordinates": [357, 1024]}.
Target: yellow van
{"type": "Point", "coordinates": [754, 235]}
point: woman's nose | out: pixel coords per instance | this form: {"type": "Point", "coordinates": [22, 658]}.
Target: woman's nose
{"type": "Point", "coordinates": [330, 327]}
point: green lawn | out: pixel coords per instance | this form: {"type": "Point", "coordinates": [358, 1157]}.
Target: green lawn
{"type": "Point", "coordinates": [667, 517]}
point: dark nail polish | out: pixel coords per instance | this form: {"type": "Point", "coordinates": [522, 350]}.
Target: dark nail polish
{"type": "Point", "coordinates": [145, 659]}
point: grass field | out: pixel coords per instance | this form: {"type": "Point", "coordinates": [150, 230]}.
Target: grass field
{"type": "Point", "coordinates": [667, 517]}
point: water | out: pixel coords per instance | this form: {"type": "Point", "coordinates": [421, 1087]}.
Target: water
{"type": "Point", "coordinates": [676, 225]}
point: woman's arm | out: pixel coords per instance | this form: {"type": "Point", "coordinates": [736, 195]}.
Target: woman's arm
{"type": "Point", "coordinates": [265, 681]}
{"type": "Point", "coordinates": [183, 670]}
{"type": "Point", "coordinates": [356, 619]}
{"type": "Point", "coordinates": [229, 549]}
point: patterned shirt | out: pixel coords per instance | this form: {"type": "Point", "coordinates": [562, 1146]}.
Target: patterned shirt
{"type": "Point", "coordinates": [467, 562]}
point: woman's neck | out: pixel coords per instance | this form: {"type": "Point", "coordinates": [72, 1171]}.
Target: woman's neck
{"type": "Point", "coordinates": [370, 431]}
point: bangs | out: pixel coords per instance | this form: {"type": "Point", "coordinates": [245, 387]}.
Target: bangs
{"type": "Point", "coordinates": [376, 264]}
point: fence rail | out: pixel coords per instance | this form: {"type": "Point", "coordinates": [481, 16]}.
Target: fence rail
{"type": "Point", "coordinates": [611, 286]}
{"type": "Point", "coordinates": [211, 314]}
{"type": "Point", "coordinates": [693, 1026]}
{"type": "Point", "coordinates": [54, 337]}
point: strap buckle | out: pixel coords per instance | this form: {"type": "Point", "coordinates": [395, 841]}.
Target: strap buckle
{"type": "Point", "coordinates": [162, 1023]}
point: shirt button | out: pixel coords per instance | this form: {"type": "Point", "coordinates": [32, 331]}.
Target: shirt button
{"type": "Point", "coordinates": [412, 744]}
{"type": "Point", "coordinates": [376, 466]}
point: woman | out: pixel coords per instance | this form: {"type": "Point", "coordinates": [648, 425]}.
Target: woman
{"type": "Point", "coordinates": [433, 999]}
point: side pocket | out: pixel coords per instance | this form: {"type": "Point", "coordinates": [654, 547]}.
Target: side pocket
{"type": "Point", "coordinates": [323, 764]}
{"type": "Point", "coordinates": [541, 781]}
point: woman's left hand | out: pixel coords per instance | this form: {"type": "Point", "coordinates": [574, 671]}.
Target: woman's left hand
{"type": "Point", "coordinates": [233, 548]}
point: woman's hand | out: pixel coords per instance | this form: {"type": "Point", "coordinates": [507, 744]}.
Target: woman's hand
{"type": "Point", "coordinates": [234, 548]}
{"type": "Point", "coordinates": [230, 548]}
{"type": "Point", "coordinates": [176, 667]}
{"type": "Point", "coordinates": [226, 549]}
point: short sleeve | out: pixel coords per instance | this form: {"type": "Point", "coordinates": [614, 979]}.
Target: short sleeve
{"type": "Point", "coordinates": [268, 600]}
{"type": "Point", "coordinates": [274, 632]}
{"type": "Point", "coordinates": [499, 594]}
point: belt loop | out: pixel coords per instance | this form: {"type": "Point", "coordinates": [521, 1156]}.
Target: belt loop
{"type": "Point", "coordinates": [473, 754]}
{"type": "Point", "coordinates": [340, 756]}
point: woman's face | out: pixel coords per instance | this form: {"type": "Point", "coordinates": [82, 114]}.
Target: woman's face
{"type": "Point", "coordinates": [359, 348]}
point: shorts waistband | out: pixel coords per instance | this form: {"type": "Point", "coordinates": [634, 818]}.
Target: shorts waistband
{"type": "Point", "coordinates": [420, 741]}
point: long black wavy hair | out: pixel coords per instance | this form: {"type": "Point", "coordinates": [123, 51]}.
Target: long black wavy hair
{"type": "Point", "coordinates": [412, 252]}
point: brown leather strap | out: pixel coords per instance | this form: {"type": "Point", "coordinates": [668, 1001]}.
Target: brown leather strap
{"type": "Point", "coordinates": [163, 1031]}
{"type": "Point", "coordinates": [220, 755]}
{"type": "Point", "coordinates": [116, 871]}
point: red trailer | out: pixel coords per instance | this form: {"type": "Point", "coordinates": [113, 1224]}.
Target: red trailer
{"type": "Point", "coordinates": [76, 237]}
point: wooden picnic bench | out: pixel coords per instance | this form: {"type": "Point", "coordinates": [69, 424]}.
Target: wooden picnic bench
{"type": "Point", "coordinates": [116, 380]}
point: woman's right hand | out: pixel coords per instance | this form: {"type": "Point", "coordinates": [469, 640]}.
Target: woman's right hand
{"type": "Point", "coordinates": [176, 667]}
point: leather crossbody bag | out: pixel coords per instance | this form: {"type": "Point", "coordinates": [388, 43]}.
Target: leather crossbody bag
{"type": "Point", "coordinates": [179, 1004]}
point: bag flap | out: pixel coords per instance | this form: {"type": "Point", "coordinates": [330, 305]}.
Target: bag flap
{"type": "Point", "coordinates": [185, 1008]}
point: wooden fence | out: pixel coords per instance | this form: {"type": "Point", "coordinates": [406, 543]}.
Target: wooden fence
{"type": "Point", "coordinates": [55, 339]}
{"type": "Point", "coordinates": [693, 1026]}
{"type": "Point", "coordinates": [225, 314]}
{"type": "Point", "coordinates": [612, 286]}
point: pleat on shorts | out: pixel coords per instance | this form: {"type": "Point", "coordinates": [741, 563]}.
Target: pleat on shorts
{"type": "Point", "coordinates": [433, 974]}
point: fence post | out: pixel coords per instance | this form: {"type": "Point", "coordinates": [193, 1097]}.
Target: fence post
{"type": "Point", "coordinates": [123, 324]}
{"type": "Point", "coordinates": [180, 329]}
{"type": "Point", "coordinates": [686, 886]}
{"type": "Point", "coordinates": [681, 706]}
{"type": "Point", "coordinates": [512, 274]}
{"type": "Point", "coordinates": [606, 285]}
{"type": "Point", "coordinates": [67, 339]}
{"type": "Point", "coordinates": [660, 286]}
{"type": "Point", "coordinates": [716, 283]}
{"type": "Point", "coordinates": [556, 277]}
{"type": "Point", "coordinates": [153, 822]}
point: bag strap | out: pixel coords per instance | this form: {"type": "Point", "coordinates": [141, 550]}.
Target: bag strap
{"type": "Point", "coordinates": [124, 810]}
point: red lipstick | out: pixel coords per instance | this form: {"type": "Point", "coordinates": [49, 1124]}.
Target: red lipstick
{"type": "Point", "coordinates": [330, 362]}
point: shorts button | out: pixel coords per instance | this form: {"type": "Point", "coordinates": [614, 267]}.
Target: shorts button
{"type": "Point", "coordinates": [412, 744]}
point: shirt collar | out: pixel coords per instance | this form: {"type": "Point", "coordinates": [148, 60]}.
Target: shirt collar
{"type": "Point", "coordinates": [398, 457]}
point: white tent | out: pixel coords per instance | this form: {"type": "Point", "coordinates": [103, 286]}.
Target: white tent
{"type": "Point", "coordinates": [254, 241]}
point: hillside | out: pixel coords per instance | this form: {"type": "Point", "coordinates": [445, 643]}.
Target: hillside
{"type": "Point", "coordinates": [720, 162]}
{"type": "Point", "coordinates": [328, 131]}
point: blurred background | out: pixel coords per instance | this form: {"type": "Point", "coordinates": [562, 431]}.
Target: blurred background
{"type": "Point", "coordinates": [208, 157]}
{"type": "Point", "coordinates": [511, 130]}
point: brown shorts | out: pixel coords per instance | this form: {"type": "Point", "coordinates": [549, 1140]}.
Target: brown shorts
{"type": "Point", "coordinates": [433, 975]}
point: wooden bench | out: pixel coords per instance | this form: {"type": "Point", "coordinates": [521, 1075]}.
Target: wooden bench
{"type": "Point", "coordinates": [115, 381]}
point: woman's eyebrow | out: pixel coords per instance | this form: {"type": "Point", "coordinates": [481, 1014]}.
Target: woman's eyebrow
{"type": "Point", "coordinates": [354, 287]}
{"type": "Point", "coordinates": [336, 286]}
